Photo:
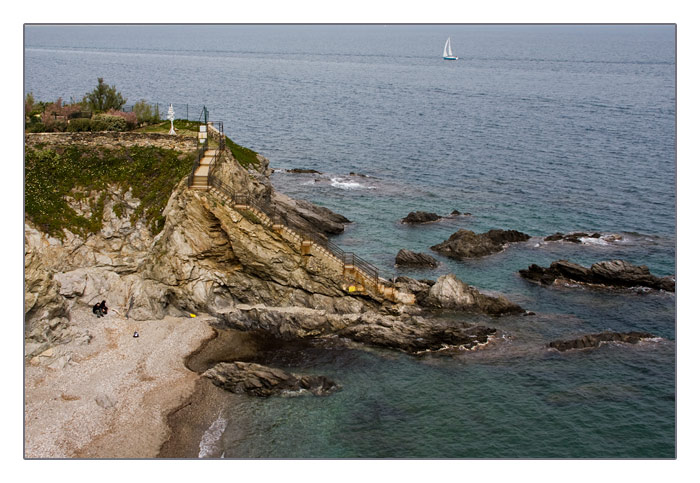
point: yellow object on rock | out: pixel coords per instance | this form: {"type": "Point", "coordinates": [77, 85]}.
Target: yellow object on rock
{"type": "Point", "coordinates": [192, 315]}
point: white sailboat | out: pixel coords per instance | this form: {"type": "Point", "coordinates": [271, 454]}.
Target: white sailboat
{"type": "Point", "coordinates": [447, 51]}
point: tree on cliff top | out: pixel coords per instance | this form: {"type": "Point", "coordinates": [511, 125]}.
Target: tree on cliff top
{"type": "Point", "coordinates": [104, 97]}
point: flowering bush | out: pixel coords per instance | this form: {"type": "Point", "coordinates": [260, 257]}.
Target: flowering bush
{"type": "Point", "coordinates": [130, 118]}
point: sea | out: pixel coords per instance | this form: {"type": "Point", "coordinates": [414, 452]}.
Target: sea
{"type": "Point", "coordinates": [536, 128]}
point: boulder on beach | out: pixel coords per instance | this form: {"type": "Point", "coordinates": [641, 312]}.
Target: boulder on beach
{"type": "Point", "coordinates": [467, 244]}
{"type": "Point", "coordinates": [263, 381]}
{"type": "Point", "coordinates": [613, 273]}
{"type": "Point", "coordinates": [416, 217]}
{"type": "Point", "coordinates": [595, 340]}
{"type": "Point", "coordinates": [407, 258]}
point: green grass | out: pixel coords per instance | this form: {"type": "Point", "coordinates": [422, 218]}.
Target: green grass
{"type": "Point", "coordinates": [182, 126]}
{"type": "Point", "coordinates": [75, 170]}
{"type": "Point", "coordinates": [245, 157]}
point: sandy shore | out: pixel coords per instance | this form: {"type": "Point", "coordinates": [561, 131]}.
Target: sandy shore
{"type": "Point", "coordinates": [111, 398]}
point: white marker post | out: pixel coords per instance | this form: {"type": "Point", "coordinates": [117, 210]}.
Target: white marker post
{"type": "Point", "coordinates": [171, 118]}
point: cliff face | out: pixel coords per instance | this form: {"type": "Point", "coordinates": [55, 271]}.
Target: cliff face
{"type": "Point", "coordinates": [207, 258]}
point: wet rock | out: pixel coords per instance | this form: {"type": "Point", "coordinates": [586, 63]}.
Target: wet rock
{"type": "Point", "coordinates": [404, 332]}
{"type": "Point", "coordinates": [416, 217]}
{"type": "Point", "coordinates": [467, 244]}
{"type": "Point", "coordinates": [577, 237]}
{"type": "Point", "coordinates": [413, 259]}
{"type": "Point", "coordinates": [416, 334]}
{"type": "Point", "coordinates": [613, 273]}
{"type": "Point", "coordinates": [263, 381]}
{"type": "Point", "coordinates": [303, 171]}
{"type": "Point", "coordinates": [451, 293]}
{"type": "Point", "coordinates": [595, 340]}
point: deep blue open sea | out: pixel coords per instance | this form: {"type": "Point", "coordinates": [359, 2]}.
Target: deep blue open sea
{"type": "Point", "coordinates": [541, 129]}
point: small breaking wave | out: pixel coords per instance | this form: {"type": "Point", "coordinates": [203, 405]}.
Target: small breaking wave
{"type": "Point", "coordinates": [210, 445]}
{"type": "Point", "coordinates": [348, 185]}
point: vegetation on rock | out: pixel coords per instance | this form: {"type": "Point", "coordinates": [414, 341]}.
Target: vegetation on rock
{"type": "Point", "coordinates": [54, 177]}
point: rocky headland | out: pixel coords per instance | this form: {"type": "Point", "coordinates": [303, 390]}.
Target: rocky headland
{"type": "Point", "coordinates": [612, 274]}
{"type": "Point", "coordinates": [466, 244]}
{"type": "Point", "coordinates": [195, 257]}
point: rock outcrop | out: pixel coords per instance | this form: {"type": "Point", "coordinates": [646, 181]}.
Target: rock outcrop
{"type": "Point", "coordinates": [452, 294]}
{"type": "Point", "coordinates": [306, 217]}
{"type": "Point", "coordinates": [263, 381]}
{"type": "Point", "coordinates": [415, 217]}
{"type": "Point", "coordinates": [578, 237]}
{"type": "Point", "coordinates": [595, 340]}
{"type": "Point", "coordinates": [408, 333]}
{"type": "Point", "coordinates": [208, 256]}
{"type": "Point", "coordinates": [614, 273]}
{"type": "Point", "coordinates": [407, 258]}
{"type": "Point", "coordinates": [467, 244]}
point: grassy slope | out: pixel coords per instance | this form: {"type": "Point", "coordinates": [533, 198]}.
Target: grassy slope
{"type": "Point", "coordinates": [75, 170]}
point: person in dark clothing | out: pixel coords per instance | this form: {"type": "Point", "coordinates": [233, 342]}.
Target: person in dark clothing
{"type": "Point", "coordinates": [97, 310]}
{"type": "Point", "coordinates": [103, 307]}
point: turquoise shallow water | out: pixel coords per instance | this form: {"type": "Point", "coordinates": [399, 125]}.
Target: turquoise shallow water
{"type": "Point", "coordinates": [541, 129]}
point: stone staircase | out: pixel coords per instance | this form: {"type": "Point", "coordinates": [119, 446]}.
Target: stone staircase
{"type": "Point", "coordinates": [200, 181]}
{"type": "Point", "coordinates": [354, 279]}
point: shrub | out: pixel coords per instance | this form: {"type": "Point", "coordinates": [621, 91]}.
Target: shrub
{"type": "Point", "coordinates": [144, 112]}
{"type": "Point", "coordinates": [36, 127]}
{"type": "Point", "coordinates": [108, 122]}
{"type": "Point", "coordinates": [80, 125]}
{"type": "Point", "coordinates": [129, 117]}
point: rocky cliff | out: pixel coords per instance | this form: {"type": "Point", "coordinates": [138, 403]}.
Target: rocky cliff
{"type": "Point", "coordinates": [206, 258]}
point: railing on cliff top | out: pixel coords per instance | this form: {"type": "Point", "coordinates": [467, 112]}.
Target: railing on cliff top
{"type": "Point", "coordinates": [347, 258]}
{"type": "Point", "coordinates": [216, 128]}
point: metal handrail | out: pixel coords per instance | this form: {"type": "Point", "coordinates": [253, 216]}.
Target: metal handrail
{"type": "Point", "coordinates": [347, 258]}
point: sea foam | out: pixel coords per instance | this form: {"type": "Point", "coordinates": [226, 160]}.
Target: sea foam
{"type": "Point", "coordinates": [208, 446]}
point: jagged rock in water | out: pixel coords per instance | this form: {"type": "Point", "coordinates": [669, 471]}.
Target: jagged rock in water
{"type": "Point", "coordinates": [613, 273]}
{"type": "Point", "coordinates": [416, 334]}
{"type": "Point", "coordinates": [578, 236]}
{"type": "Point", "coordinates": [263, 381]}
{"type": "Point", "coordinates": [306, 217]}
{"type": "Point", "coordinates": [420, 217]}
{"type": "Point", "coordinates": [595, 340]}
{"type": "Point", "coordinates": [303, 171]}
{"type": "Point", "coordinates": [413, 259]}
{"type": "Point", "coordinates": [451, 293]}
{"type": "Point", "coordinates": [467, 244]}
{"type": "Point", "coordinates": [408, 333]}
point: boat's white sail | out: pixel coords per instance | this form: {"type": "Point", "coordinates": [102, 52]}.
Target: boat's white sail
{"type": "Point", "coordinates": [447, 51]}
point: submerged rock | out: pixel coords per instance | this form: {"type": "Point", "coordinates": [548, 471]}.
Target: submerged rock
{"type": "Point", "coordinates": [303, 171]}
{"type": "Point", "coordinates": [467, 244]}
{"type": "Point", "coordinates": [413, 259]}
{"type": "Point", "coordinates": [415, 217]}
{"type": "Point", "coordinates": [263, 381]}
{"type": "Point", "coordinates": [613, 273]}
{"type": "Point", "coordinates": [595, 340]}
